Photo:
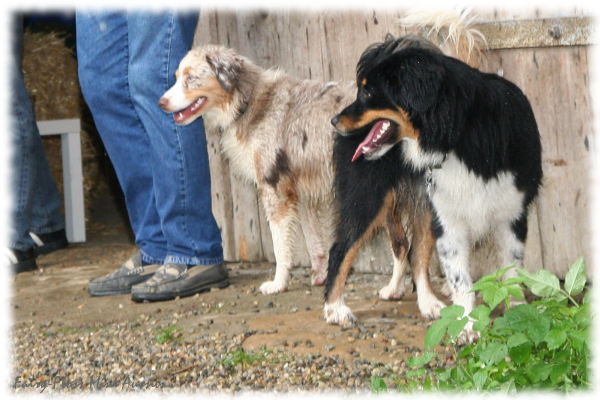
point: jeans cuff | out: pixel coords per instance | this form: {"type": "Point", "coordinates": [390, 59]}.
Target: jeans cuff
{"type": "Point", "coordinates": [193, 260]}
{"type": "Point", "coordinates": [45, 230]}
{"type": "Point", "coordinates": [151, 260]}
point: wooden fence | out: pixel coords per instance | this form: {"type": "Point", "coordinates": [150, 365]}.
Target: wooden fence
{"type": "Point", "coordinates": [546, 56]}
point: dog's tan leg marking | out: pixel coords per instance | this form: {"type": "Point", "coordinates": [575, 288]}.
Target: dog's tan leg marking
{"type": "Point", "coordinates": [335, 311]}
{"type": "Point", "coordinates": [313, 223]}
{"type": "Point", "coordinates": [423, 242]}
{"type": "Point", "coordinates": [395, 289]}
{"type": "Point", "coordinates": [281, 210]}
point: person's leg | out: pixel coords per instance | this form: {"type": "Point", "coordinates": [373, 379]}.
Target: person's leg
{"type": "Point", "coordinates": [24, 140]}
{"type": "Point", "coordinates": [36, 205]}
{"type": "Point", "coordinates": [158, 42]}
{"type": "Point", "coordinates": [103, 59]}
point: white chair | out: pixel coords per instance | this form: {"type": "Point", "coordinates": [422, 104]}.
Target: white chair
{"type": "Point", "coordinates": [70, 136]}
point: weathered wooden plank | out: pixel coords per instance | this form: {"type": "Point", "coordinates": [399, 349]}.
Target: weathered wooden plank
{"type": "Point", "coordinates": [556, 82]}
{"type": "Point", "coordinates": [574, 31]}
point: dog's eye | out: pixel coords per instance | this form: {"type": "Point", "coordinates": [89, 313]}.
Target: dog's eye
{"type": "Point", "coordinates": [366, 94]}
{"type": "Point", "coordinates": [191, 79]}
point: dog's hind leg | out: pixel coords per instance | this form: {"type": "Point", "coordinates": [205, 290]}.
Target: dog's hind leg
{"type": "Point", "coordinates": [510, 239]}
{"type": "Point", "coordinates": [400, 245]}
{"type": "Point", "coordinates": [420, 256]}
{"type": "Point", "coordinates": [453, 249]}
{"type": "Point", "coordinates": [340, 262]}
{"type": "Point", "coordinates": [351, 234]}
{"type": "Point", "coordinates": [281, 210]}
{"type": "Point", "coordinates": [313, 222]}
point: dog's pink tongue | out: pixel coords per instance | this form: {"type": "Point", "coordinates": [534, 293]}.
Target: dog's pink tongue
{"type": "Point", "coordinates": [182, 115]}
{"type": "Point", "coordinates": [368, 142]}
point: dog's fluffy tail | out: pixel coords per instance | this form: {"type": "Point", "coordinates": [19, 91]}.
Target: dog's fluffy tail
{"type": "Point", "coordinates": [453, 32]}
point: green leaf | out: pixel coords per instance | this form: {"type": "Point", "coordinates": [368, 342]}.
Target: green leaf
{"type": "Point", "coordinates": [494, 296]}
{"type": "Point", "coordinates": [513, 281]}
{"type": "Point", "coordinates": [456, 327]}
{"type": "Point", "coordinates": [483, 285]}
{"type": "Point", "coordinates": [378, 385]}
{"type": "Point", "coordinates": [576, 278]}
{"type": "Point", "coordinates": [537, 330]}
{"type": "Point", "coordinates": [416, 372]}
{"type": "Point", "coordinates": [452, 312]}
{"type": "Point", "coordinates": [515, 291]}
{"type": "Point", "coordinates": [480, 311]}
{"type": "Point", "coordinates": [421, 360]}
{"type": "Point", "coordinates": [542, 284]}
{"type": "Point", "coordinates": [578, 339]}
{"type": "Point", "coordinates": [539, 372]}
{"type": "Point", "coordinates": [479, 378]}
{"type": "Point", "coordinates": [481, 314]}
{"type": "Point", "coordinates": [521, 353]}
{"type": "Point", "coordinates": [436, 332]}
{"type": "Point", "coordinates": [518, 318]}
{"type": "Point", "coordinates": [493, 353]}
{"type": "Point", "coordinates": [517, 339]}
{"type": "Point", "coordinates": [555, 338]}
{"type": "Point", "coordinates": [502, 271]}
{"type": "Point", "coordinates": [559, 372]}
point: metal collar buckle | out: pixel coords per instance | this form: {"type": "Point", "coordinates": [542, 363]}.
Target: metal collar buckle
{"type": "Point", "coordinates": [429, 175]}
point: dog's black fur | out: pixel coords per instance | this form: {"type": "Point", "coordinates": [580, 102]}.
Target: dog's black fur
{"type": "Point", "coordinates": [362, 187]}
{"type": "Point", "coordinates": [362, 190]}
{"type": "Point", "coordinates": [485, 119]}
{"type": "Point", "coordinates": [453, 120]}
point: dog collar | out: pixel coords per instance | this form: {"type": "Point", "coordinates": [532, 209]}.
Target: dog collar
{"type": "Point", "coordinates": [429, 175]}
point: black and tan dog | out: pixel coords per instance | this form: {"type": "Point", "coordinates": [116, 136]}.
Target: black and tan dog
{"type": "Point", "coordinates": [474, 137]}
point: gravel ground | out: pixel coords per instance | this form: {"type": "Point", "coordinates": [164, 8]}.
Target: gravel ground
{"type": "Point", "coordinates": [228, 341]}
{"type": "Point", "coordinates": [149, 354]}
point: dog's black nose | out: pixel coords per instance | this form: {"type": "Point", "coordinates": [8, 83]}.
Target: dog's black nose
{"type": "Point", "coordinates": [335, 120]}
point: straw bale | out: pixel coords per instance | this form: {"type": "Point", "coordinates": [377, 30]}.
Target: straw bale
{"type": "Point", "coordinates": [50, 70]}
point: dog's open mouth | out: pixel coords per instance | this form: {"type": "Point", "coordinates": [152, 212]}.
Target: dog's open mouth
{"type": "Point", "coordinates": [189, 112]}
{"type": "Point", "coordinates": [378, 135]}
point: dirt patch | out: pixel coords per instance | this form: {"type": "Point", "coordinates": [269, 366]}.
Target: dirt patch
{"type": "Point", "coordinates": [56, 297]}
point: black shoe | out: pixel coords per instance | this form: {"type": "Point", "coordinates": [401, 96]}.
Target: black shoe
{"type": "Point", "coordinates": [21, 261]}
{"type": "Point", "coordinates": [48, 242]}
{"type": "Point", "coordinates": [177, 280]}
{"type": "Point", "coordinates": [130, 273]}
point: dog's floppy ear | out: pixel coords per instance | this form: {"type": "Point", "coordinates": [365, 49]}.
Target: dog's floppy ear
{"type": "Point", "coordinates": [418, 81]}
{"type": "Point", "coordinates": [227, 67]}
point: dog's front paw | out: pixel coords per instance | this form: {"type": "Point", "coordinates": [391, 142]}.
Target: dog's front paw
{"type": "Point", "coordinates": [430, 306]}
{"type": "Point", "coordinates": [468, 335]}
{"type": "Point", "coordinates": [317, 278]}
{"type": "Point", "coordinates": [339, 314]}
{"type": "Point", "coordinates": [272, 287]}
{"type": "Point", "coordinates": [391, 293]}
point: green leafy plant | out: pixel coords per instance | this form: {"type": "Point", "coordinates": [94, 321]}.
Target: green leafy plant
{"type": "Point", "coordinates": [245, 358]}
{"type": "Point", "coordinates": [167, 334]}
{"type": "Point", "coordinates": [543, 345]}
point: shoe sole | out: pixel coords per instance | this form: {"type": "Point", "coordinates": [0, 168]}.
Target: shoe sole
{"type": "Point", "coordinates": [108, 293]}
{"type": "Point", "coordinates": [140, 297]}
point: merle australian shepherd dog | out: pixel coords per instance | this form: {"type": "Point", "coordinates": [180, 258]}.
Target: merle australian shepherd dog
{"type": "Point", "coordinates": [472, 137]}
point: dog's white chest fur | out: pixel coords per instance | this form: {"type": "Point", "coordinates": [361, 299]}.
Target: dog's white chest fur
{"type": "Point", "coordinates": [462, 198]}
{"type": "Point", "coordinates": [240, 155]}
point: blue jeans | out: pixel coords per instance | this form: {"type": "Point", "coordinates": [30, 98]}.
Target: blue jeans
{"type": "Point", "coordinates": [126, 62]}
{"type": "Point", "coordinates": [36, 202]}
